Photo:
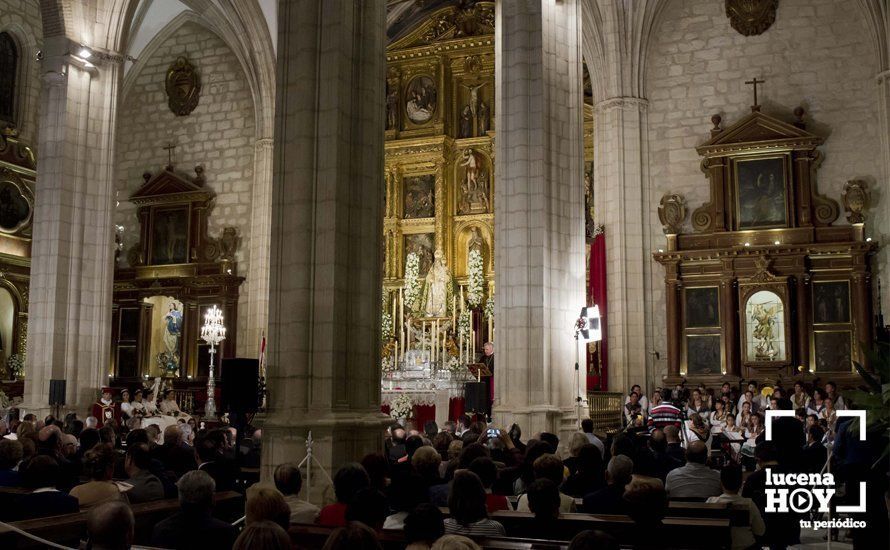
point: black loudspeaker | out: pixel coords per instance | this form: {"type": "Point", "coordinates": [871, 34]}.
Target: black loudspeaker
{"type": "Point", "coordinates": [57, 392]}
{"type": "Point", "coordinates": [476, 397]}
{"type": "Point", "coordinates": [240, 384]}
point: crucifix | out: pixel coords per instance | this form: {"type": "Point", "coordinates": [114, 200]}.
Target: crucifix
{"type": "Point", "coordinates": [755, 82]}
{"type": "Point", "coordinates": [169, 148]}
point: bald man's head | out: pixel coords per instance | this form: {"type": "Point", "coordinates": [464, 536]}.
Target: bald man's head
{"type": "Point", "coordinates": [172, 435]}
{"type": "Point", "coordinates": [697, 452]}
{"type": "Point", "coordinates": [672, 434]}
{"type": "Point", "coordinates": [110, 526]}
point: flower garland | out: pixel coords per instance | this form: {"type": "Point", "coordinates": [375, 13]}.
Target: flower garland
{"type": "Point", "coordinates": [412, 280]}
{"type": "Point", "coordinates": [386, 326]}
{"type": "Point", "coordinates": [401, 406]}
{"type": "Point", "coordinates": [489, 308]}
{"type": "Point", "coordinates": [387, 364]}
{"type": "Point", "coordinates": [15, 365]}
{"type": "Point", "coordinates": [464, 324]}
{"type": "Point", "coordinates": [454, 365]}
{"type": "Point", "coordinates": [476, 283]}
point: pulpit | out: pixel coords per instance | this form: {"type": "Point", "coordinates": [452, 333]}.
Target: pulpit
{"type": "Point", "coordinates": [767, 286]}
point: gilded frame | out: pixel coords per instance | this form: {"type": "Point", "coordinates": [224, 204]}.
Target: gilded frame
{"type": "Point", "coordinates": [788, 195]}
{"type": "Point", "coordinates": [746, 291]}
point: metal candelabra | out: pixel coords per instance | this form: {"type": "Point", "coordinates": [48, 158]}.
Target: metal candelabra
{"type": "Point", "coordinates": [213, 332]}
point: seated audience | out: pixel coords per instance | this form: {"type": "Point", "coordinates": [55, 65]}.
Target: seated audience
{"type": "Point", "coordinates": [588, 476]}
{"type": "Point", "coordinates": [175, 454]}
{"type": "Point", "coordinates": [577, 441]}
{"type": "Point", "coordinates": [608, 500]}
{"type": "Point", "coordinates": [146, 486]}
{"type": "Point", "coordinates": [455, 542]}
{"type": "Point", "coordinates": [263, 535]}
{"type": "Point", "coordinates": [674, 446]}
{"type": "Point", "coordinates": [423, 526]}
{"type": "Point", "coordinates": [348, 481]}
{"type": "Point", "coordinates": [814, 454]}
{"type": "Point", "coordinates": [289, 481]}
{"type": "Point", "coordinates": [406, 493]}
{"type": "Point", "coordinates": [355, 536]}
{"type": "Point", "coordinates": [695, 480]}
{"type": "Point", "coordinates": [41, 474]}
{"type": "Point", "coordinates": [646, 503]}
{"type": "Point", "coordinates": [587, 429]}
{"type": "Point", "coordinates": [782, 529]}
{"type": "Point", "coordinates": [487, 471]}
{"type": "Point", "coordinates": [266, 503]}
{"type": "Point", "coordinates": [211, 454]}
{"type": "Point", "coordinates": [368, 506]}
{"type": "Point", "coordinates": [731, 482]}
{"type": "Point", "coordinates": [193, 526]}
{"type": "Point", "coordinates": [110, 526]}
{"type": "Point", "coordinates": [663, 462]}
{"type": "Point", "coordinates": [549, 467]}
{"type": "Point", "coordinates": [98, 464]}
{"type": "Point", "coordinates": [466, 503]}
{"type": "Point", "coordinates": [544, 502]}
{"type": "Point", "coordinates": [10, 456]}
{"type": "Point", "coordinates": [377, 468]}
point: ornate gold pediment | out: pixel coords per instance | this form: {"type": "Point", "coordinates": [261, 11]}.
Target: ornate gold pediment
{"type": "Point", "coordinates": [169, 186]}
{"type": "Point", "coordinates": [450, 23]}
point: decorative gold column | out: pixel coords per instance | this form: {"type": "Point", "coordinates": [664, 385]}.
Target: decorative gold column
{"type": "Point", "coordinates": [674, 333]}
{"type": "Point", "coordinates": [441, 198]}
{"type": "Point", "coordinates": [729, 320]}
{"type": "Point", "coordinates": [802, 289]}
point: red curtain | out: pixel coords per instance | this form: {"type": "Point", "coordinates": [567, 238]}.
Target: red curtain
{"type": "Point", "coordinates": [455, 408]}
{"type": "Point", "coordinates": [422, 414]}
{"type": "Point", "coordinates": [596, 293]}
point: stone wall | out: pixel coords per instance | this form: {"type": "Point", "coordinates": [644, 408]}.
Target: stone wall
{"type": "Point", "coordinates": [21, 18]}
{"type": "Point", "coordinates": [219, 134]}
{"type": "Point", "coordinates": [817, 54]}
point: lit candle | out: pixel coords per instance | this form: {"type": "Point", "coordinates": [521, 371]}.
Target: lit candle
{"type": "Point", "coordinates": [473, 344]}
{"type": "Point", "coordinates": [491, 328]}
{"type": "Point", "coordinates": [461, 298]}
{"type": "Point", "coordinates": [453, 310]}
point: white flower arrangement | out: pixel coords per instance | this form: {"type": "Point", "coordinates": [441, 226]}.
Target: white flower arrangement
{"type": "Point", "coordinates": [15, 365]}
{"type": "Point", "coordinates": [489, 308]}
{"type": "Point", "coordinates": [386, 326]}
{"type": "Point", "coordinates": [412, 281]}
{"type": "Point", "coordinates": [401, 406]}
{"type": "Point", "coordinates": [476, 283]}
{"type": "Point", "coordinates": [454, 365]}
{"type": "Point", "coordinates": [387, 364]}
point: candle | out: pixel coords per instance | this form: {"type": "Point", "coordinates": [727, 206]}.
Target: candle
{"type": "Point", "coordinates": [434, 339]}
{"type": "Point", "coordinates": [402, 307]}
{"type": "Point", "coordinates": [490, 328]}
{"type": "Point", "coordinates": [473, 344]}
{"type": "Point", "coordinates": [461, 298]}
{"type": "Point", "coordinates": [453, 310]}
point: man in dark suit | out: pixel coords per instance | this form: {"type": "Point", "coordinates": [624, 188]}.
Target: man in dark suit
{"type": "Point", "coordinates": [174, 454]}
{"type": "Point", "coordinates": [41, 474]}
{"type": "Point", "coordinates": [674, 449]}
{"type": "Point", "coordinates": [663, 462]}
{"type": "Point", "coordinates": [212, 461]}
{"type": "Point", "coordinates": [193, 526]}
{"type": "Point", "coordinates": [608, 500]}
{"type": "Point", "coordinates": [146, 486]}
{"type": "Point", "coordinates": [814, 453]}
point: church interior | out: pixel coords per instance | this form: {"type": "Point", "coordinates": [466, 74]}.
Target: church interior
{"type": "Point", "coordinates": [444, 273]}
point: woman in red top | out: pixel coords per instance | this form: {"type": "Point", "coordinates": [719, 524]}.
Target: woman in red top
{"type": "Point", "coordinates": [487, 471]}
{"type": "Point", "coordinates": [349, 480]}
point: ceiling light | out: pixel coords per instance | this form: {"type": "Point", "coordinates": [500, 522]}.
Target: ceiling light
{"type": "Point", "coordinates": [84, 53]}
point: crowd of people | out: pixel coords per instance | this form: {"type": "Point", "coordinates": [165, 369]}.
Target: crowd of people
{"type": "Point", "coordinates": [668, 451]}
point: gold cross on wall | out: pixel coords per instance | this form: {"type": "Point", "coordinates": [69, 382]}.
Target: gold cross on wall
{"type": "Point", "coordinates": [169, 148]}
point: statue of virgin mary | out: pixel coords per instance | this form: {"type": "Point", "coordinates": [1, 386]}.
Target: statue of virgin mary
{"type": "Point", "coordinates": [437, 288]}
{"type": "Point", "coordinates": [172, 328]}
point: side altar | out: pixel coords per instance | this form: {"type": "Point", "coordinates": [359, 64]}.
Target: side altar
{"type": "Point", "coordinates": [768, 286]}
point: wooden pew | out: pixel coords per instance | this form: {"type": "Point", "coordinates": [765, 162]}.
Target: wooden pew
{"type": "Point", "coordinates": [685, 533]}
{"type": "Point", "coordinates": [709, 532]}
{"type": "Point", "coordinates": [69, 529]}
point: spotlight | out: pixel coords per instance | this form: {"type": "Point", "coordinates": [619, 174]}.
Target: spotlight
{"type": "Point", "coordinates": [84, 53]}
{"type": "Point", "coordinates": [588, 324]}
{"type": "Point", "coordinates": [747, 244]}
{"type": "Point", "coordinates": [776, 243]}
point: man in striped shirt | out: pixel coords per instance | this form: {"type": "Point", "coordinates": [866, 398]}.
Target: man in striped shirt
{"type": "Point", "coordinates": [665, 414]}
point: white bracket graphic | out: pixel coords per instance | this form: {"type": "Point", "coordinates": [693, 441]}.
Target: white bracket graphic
{"type": "Point", "coordinates": [770, 414]}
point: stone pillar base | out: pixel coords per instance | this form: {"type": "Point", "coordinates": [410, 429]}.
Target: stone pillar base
{"type": "Point", "coordinates": [337, 438]}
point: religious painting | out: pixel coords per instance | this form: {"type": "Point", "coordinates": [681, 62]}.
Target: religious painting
{"type": "Point", "coordinates": [762, 201]}
{"type": "Point", "coordinates": [831, 302]}
{"type": "Point", "coordinates": [169, 233]}
{"type": "Point", "coordinates": [423, 245]}
{"type": "Point", "coordinates": [703, 354]}
{"type": "Point", "coordinates": [420, 196]}
{"type": "Point", "coordinates": [765, 327]}
{"type": "Point", "coordinates": [833, 351]}
{"type": "Point", "coordinates": [167, 318]}
{"type": "Point", "coordinates": [473, 178]}
{"type": "Point", "coordinates": [702, 307]}
{"type": "Point", "coordinates": [9, 61]}
{"type": "Point", "coordinates": [420, 99]}
{"type": "Point", "coordinates": [15, 210]}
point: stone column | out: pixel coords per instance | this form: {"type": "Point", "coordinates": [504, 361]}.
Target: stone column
{"type": "Point", "coordinates": [539, 212]}
{"type": "Point", "coordinates": [257, 282]}
{"type": "Point", "coordinates": [325, 280]}
{"type": "Point", "coordinates": [878, 218]}
{"type": "Point", "coordinates": [69, 327]}
{"type": "Point", "coordinates": [621, 170]}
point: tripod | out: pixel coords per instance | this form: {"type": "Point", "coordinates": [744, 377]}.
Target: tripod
{"type": "Point", "coordinates": [307, 461]}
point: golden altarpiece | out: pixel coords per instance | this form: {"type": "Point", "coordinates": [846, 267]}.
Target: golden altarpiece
{"type": "Point", "coordinates": [439, 173]}
{"type": "Point", "coordinates": [175, 273]}
{"type": "Point", "coordinates": [18, 174]}
{"type": "Point", "coordinates": [766, 287]}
